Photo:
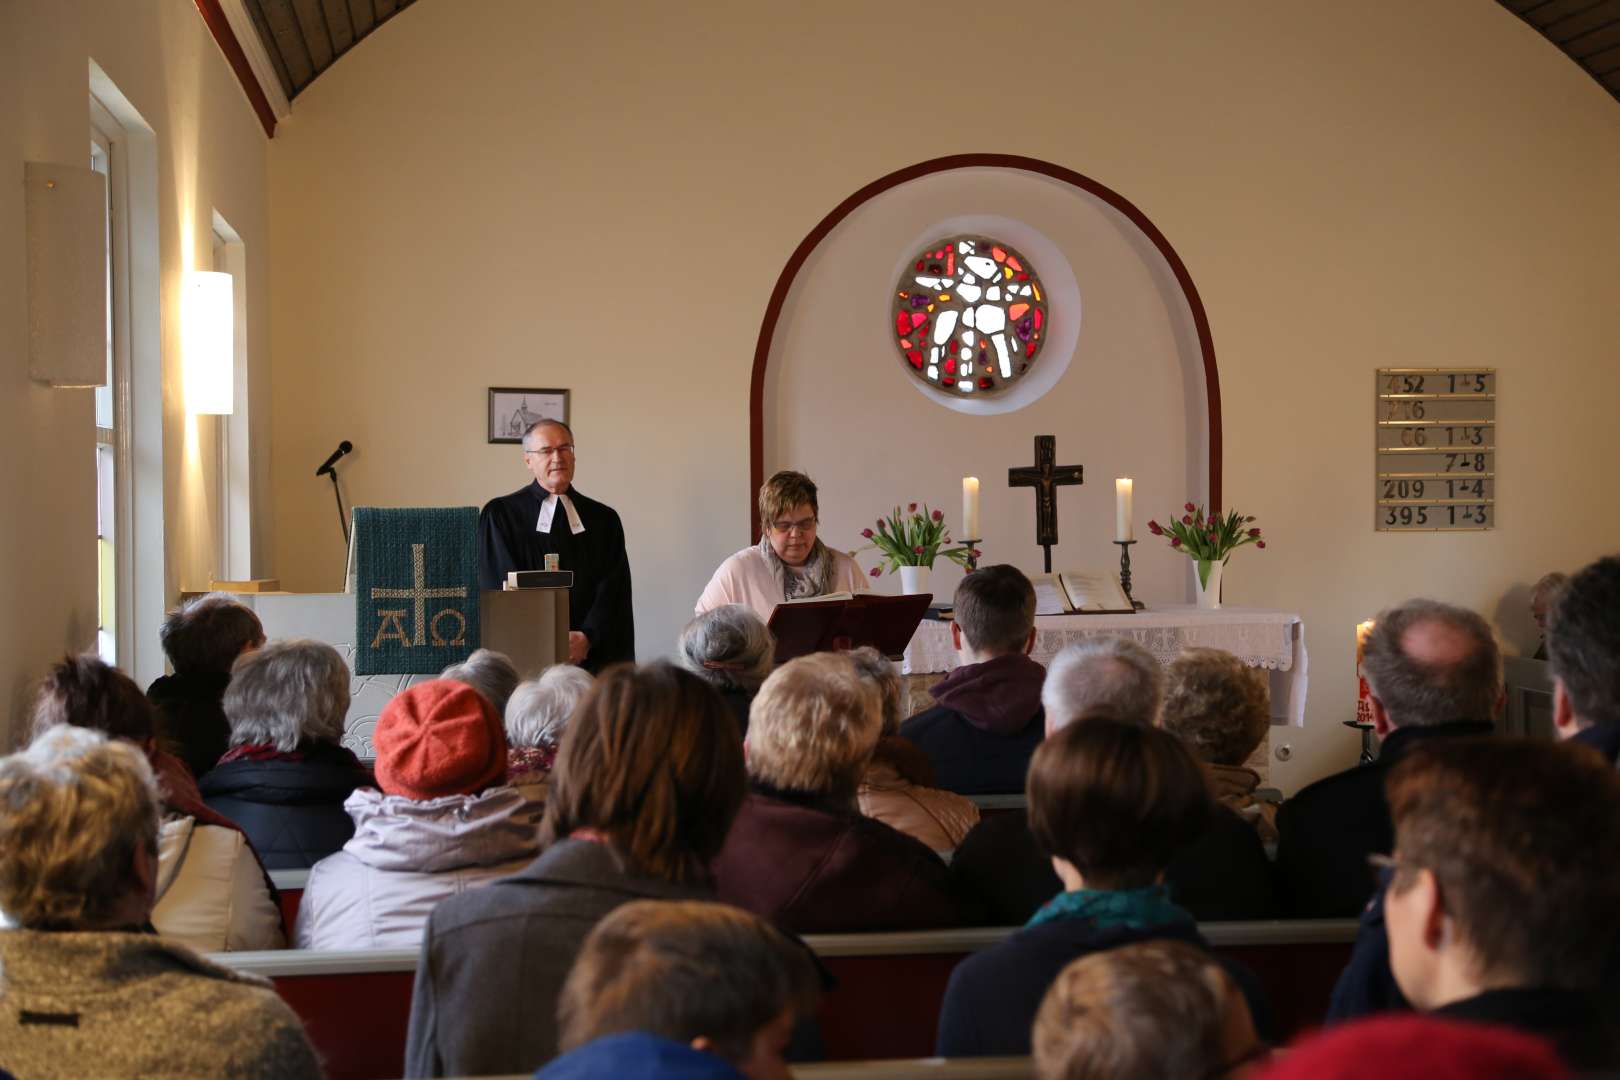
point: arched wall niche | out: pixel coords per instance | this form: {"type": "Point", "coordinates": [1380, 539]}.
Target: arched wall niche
{"type": "Point", "coordinates": [1138, 394]}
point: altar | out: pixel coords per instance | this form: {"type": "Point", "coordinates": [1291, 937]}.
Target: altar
{"type": "Point", "coordinates": [1262, 638]}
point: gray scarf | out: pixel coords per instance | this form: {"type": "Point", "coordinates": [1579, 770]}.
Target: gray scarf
{"type": "Point", "coordinates": [814, 578]}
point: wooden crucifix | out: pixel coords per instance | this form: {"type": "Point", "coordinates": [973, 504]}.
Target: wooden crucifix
{"type": "Point", "coordinates": [1046, 477]}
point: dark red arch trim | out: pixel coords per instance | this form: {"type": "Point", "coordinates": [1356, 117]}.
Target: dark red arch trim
{"type": "Point", "coordinates": [790, 272]}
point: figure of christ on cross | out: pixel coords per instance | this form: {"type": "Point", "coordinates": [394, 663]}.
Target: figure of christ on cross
{"type": "Point", "coordinates": [421, 594]}
{"type": "Point", "coordinates": [1046, 477]}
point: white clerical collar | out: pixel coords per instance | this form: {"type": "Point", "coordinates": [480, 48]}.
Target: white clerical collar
{"type": "Point", "coordinates": [548, 510]}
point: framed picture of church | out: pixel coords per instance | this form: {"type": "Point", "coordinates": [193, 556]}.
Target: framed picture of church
{"type": "Point", "coordinates": [513, 410]}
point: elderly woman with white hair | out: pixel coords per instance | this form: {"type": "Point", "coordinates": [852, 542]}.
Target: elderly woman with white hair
{"type": "Point", "coordinates": [801, 853]}
{"type": "Point", "coordinates": [490, 673]}
{"type": "Point", "coordinates": [89, 990]}
{"type": "Point", "coordinates": [286, 774]}
{"type": "Point", "coordinates": [537, 714]}
{"type": "Point", "coordinates": [731, 649]}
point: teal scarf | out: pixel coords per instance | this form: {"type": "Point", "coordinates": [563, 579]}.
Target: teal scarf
{"type": "Point", "coordinates": [1133, 909]}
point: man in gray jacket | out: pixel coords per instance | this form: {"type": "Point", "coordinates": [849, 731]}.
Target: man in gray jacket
{"type": "Point", "coordinates": [84, 985]}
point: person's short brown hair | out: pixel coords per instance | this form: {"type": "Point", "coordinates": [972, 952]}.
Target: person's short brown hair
{"type": "Point", "coordinates": [878, 670]}
{"type": "Point", "coordinates": [74, 809]}
{"type": "Point", "coordinates": [1583, 642]}
{"type": "Point", "coordinates": [1153, 1009]}
{"type": "Point", "coordinates": [1115, 800]}
{"type": "Point", "coordinates": [995, 608]}
{"type": "Point", "coordinates": [782, 492]}
{"type": "Point", "coordinates": [653, 761]}
{"type": "Point", "coordinates": [1416, 693]}
{"type": "Point", "coordinates": [88, 692]}
{"type": "Point", "coordinates": [813, 726]}
{"type": "Point", "coordinates": [1220, 707]}
{"type": "Point", "coordinates": [684, 970]}
{"type": "Point", "coordinates": [208, 633]}
{"type": "Point", "coordinates": [1520, 835]}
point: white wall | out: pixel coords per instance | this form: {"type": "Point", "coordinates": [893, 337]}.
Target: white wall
{"type": "Point", "coordinates": [842, 405]}
{"type": "Point", "coordinates": [602, 196]}
{"type": "Point", "coordinates": [210, 155]}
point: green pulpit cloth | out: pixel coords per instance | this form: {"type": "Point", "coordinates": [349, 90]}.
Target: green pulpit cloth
{"type": "Point", "coordinates": [416, 589]}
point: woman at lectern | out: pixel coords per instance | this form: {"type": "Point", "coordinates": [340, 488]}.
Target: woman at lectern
{"type": "Point", "coordinates": [790, 562]}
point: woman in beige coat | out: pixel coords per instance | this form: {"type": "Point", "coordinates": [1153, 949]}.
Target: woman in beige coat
{"type": "Point", "coordinates": [897, 786]}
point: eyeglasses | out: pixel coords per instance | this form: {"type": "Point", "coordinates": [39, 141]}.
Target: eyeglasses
{"type": "Point", "coordinates": [563, 450]}
{"type": "Point", "coordinates": [1389, 865]}
{"type": "Point", "coordinates": [803, 526]}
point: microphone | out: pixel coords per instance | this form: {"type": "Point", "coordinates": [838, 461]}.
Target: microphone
{"type": "Point", "coordinates": [326, 466]}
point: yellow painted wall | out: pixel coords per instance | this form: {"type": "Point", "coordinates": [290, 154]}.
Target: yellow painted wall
{"type": "Point", "coordinates": [210, 154]}
{"type": "Point", "coordinates": [601, 197]}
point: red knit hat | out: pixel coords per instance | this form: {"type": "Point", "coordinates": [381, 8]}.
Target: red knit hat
{"type": "Point", "coordinates": [439, 738]}
{"type": "Point", "coordinates": [1411, 1047]}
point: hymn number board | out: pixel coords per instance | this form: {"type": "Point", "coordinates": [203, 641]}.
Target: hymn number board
{"type": "Point", "coordinates": [1436, 440]}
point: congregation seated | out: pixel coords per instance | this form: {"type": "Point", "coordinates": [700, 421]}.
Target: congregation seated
{"type": "Point", "coordinates": [202, 639]}
{"type": "Point", "coordinates": [1221, 709]}
{"type": "Point", "coordinates": [1405, 1047]}
{"type": "Point", "coordinates": [682, 991]}
{"type": "Point", "coordinates": [987, 719]}
{"type": "Point", "coordinates": [285, 776]}
{"type": "Point", "coordinates": [1109, 803]}
{"type": "Point", "coordinates": [490, 673]}
{"type": "Point", "coordinates": [800, 852]}
{"type": "Point", "coordinates": [790, 562]}
{"type": "Point", "coordinates": [898, 786]}
{"type": "Point", "coordinates": [731, 649]}
{"type": "Point", "coordinates": [1158, 1010]}
{"type": "Point", "coordinates": [1503, 906]}
{"type": "Point", "coordinates": [212, 893]}
{"type": "Point", "coordinates": [1584, 648]}
{"type": "Point", "coordinates": [442, 820]}
{"type": "Point", "coordinates": [537, 714]}
{"type": "Point", "coordinates": [87, 989]}
{"type": "Point", "coordinates": [1220, 874]}
{"type": "Point", "coordinates": [647, 783]}
{"type": "Point", "coordinates": [1435, 672]}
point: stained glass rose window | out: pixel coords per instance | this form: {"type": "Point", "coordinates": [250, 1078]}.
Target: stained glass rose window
{"type": "Point", "coordinates": [969, 315]}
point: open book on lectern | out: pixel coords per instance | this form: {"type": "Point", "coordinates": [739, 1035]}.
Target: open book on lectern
{"type": "Point", "coordinates": [846, 621]}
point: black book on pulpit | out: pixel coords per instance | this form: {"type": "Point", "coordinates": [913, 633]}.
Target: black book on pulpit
{"type": "Point", "coordinates": [845, 621]}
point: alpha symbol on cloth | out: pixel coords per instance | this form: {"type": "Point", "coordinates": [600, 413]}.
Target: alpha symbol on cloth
{"type": "Point", "coordinates": [419, 594]}
{"type": "Point", "coordinates": [1046, 477]}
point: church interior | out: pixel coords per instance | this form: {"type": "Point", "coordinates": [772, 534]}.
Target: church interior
{"type": "Point", "coordinates": [691, 218]}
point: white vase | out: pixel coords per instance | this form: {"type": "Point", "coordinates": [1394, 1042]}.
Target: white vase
{"type": "Point", "coordinates": [914, 579]}
{"type": "Point", "coordinates": [1208, 583]}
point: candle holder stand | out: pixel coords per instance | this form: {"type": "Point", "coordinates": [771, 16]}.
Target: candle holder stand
{"type": "Point", "coordinates": [973, 556]}
{"type": "Point", "coordinates": [1125, 573]}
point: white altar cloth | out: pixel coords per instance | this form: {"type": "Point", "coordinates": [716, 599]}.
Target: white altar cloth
{"type": "Point", "coordinates": [1273, 640]}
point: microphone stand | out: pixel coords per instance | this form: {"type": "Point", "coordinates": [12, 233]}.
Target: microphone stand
{"type": "Point", "coordinates": [343, 519]}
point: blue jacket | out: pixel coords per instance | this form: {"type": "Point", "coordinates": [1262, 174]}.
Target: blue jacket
{"type": "Point", "coordinates": [992, 997]}
{"type": "Point", "coordinates": [650, 1057]}
{"type": "Point", "coordinates": [1366, 985]}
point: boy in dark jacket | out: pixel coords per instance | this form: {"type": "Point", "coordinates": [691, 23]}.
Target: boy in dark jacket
{"type": "Point", "coordinates": [988, 719]}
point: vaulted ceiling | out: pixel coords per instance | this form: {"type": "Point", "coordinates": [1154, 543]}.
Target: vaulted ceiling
{"type": "Point", "coordinates": [304, 37]}
{"type": "Point", "coordinates": [1588, 31]}
{"type": "Point", "coordinates": [299, 39]}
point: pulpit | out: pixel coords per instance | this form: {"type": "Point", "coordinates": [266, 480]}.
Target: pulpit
{"type": "Point", "coordinates": [528, 625]}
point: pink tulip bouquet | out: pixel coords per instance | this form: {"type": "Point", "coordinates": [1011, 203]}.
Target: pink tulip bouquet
{"type": "Point", "coordinates": [915, 538]}
{"type": "Point", "coordinates": [1208, 539]}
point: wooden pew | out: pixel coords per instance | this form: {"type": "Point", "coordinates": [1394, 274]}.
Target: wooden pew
{"type": "Point", "coordinates": [356, 1004]}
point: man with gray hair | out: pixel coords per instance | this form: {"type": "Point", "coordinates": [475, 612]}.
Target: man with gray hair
{"type": "Point", "coordinates": [731, 649]}
{"type": "Point", "coordinates": [1584, 647]}
{"type": "Point", "coordinates": [1435, 672]}
{"type": "Point", "coordinates": [1102, 676]}
{"type": "Point", "coordinates": [88, 989]}
{"type": "Point", "coordinates": [490, 673]}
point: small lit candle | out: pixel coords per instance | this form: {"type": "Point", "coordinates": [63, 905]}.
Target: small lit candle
{"type": "Point", "coordinates": [970, 508]}
{"type": "Point", "coordinates": [1122, 509]}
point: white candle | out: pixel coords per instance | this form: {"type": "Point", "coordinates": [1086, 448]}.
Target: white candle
{"type": "Point", "coordinates": [1122, 509]}
{"type": "Point", "coordinates": [970, 508]}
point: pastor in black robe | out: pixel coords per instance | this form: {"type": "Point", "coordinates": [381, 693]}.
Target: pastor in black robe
{"type": "Point", "coordinates": [599, 602]}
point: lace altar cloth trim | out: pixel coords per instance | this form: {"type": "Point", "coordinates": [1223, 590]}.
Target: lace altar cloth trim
{"type": "Point", "coordinates": [1273, 640]}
